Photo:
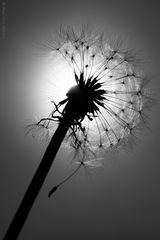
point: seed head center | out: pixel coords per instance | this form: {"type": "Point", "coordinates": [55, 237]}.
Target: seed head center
{"type": "Point", "coordinates": [86, 97]}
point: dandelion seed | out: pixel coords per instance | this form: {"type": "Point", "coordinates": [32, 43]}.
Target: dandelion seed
{"type": "Point", "coordinates": [65, 180]}
{"type": "Point", "coordinates": [92, 163]}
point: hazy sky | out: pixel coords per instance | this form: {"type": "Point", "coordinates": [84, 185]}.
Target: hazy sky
{"type": "Point", "coordinates": [120, 200]}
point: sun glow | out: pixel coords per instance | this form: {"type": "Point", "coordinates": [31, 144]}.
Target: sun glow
{"type": "Point", "coordinates": [60, 76]}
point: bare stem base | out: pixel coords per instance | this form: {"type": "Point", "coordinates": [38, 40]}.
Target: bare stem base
{"type": "Point", "coordinates": [39, 178]}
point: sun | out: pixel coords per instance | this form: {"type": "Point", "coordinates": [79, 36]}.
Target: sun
{"type": "Point", "coordinates": [61, 77]}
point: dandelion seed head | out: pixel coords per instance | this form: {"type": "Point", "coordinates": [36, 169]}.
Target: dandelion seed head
{"type": "Point", "coordinates": [101, 81]}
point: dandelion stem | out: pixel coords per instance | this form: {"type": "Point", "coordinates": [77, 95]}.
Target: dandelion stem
{"type": "Point", "coordinates": [39, 177]}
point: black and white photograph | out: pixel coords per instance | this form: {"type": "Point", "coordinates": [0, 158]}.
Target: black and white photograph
{"type": "Point", "coordinates": [79, 120]}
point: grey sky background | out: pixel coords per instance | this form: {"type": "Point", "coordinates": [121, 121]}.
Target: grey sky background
{"type": "Point", "coordinates": [118, 201]}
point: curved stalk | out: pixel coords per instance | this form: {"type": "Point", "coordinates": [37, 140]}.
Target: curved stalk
{"type": "Point", "coordinates": [65, 180]}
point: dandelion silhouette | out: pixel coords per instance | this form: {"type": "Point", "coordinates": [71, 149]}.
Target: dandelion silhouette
{"type": "Point", "coordinates": [101, 111]}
